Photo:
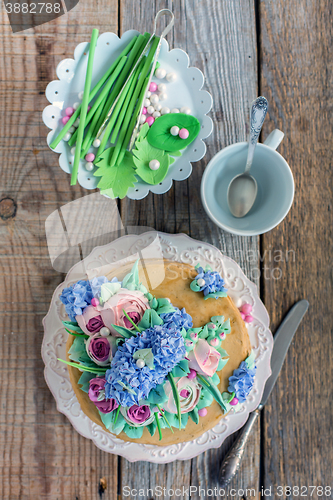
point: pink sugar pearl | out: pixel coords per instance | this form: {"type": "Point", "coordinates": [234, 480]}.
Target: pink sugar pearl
{"type": "Point", "coordinates": [192, 374]}
{"type": "Point", "coordinates": [242, 316]}
{"type": "Point", "coordinates": [150, 120]}
{"type": "Point", "coordinates": [214, 342]}
{"type": "Point", "coordinates": [94, 302]}
{"type": "Point", "coordinates": [65, 119]}
{"type": "Point", "coordinates": [69, 111]}
{"type": "Point", "coordinates": [144, 110]}
{"type": "Point", "coordinates": [246, 308]}
{"type": "Point", "coordinates": [90, 157]}
{"type": "Point", "coordinates": [248, 318]}
{"type": "Point", "coordinates": [183, 133]}
{"type": "Point", "coordinates": [153, 87]}
{"type": "Point", "coordinates": [203, 412]}
{"type": "Point", "coordinates": [234, 401]}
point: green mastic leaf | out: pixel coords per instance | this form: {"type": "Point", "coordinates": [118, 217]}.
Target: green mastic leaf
{"type": "Point", "coordinates": [118, 178]}
{"type": "Point", "coordinates": [159, 135]}
{"type": "Point", "coordinates": [150, 318]}
{"type": "Point", "coordinates": [142, 155]}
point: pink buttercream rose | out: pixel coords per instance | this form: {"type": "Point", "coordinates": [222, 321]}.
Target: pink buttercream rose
{"type": "Point", "coordinates": [189, 394]}
{"type": "Point", "coordinates": [96, 385]}
{"type": "Point", "coordinates": [138, 414]}
{"type": "Point", "coordinates": [204, 359]}
{"type": "Point", "coordinates": [101, 349]}
{"type": "Point", "coordinates": [111, 313]}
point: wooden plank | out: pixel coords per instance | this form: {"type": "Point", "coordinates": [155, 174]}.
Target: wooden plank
{"type": "Point", "coordinates": [227, 57]}
{"type": "Point", "coordinates": [296, 69]}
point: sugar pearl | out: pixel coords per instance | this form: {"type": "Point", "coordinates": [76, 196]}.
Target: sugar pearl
{"type": "Point", "coordinates": [203, 412]}
{"type": "Point", "coordinates": [185, 110]}
{"type": "Point", "coordinates": [71, 130]}
{"type": "Point", "coordinates": [76, 105]}
{"type": "Point", "coordinates": [142, 118]}
{"type": "Point", "coordinates": [94, 302]}
{"type": "Point", "coordinates": [144, 110]}
{"type": "Point", "coordinates": [77, 122]}
{"type": "Point", "coordinates": [158, 107]}
{"type": "Point", "coordinates": [246, 308]}
{"type": "Point", "coordinates": [96, 143]}
{"type": "Point", "coordinates": [89, 157]}
{"type": "Point", "coordinates": [65, 119]}
{"type": "Point", "coordinates": [150, 110]}
{"type": "Point", "coordinates": [162, 87]}
{"type": "Point", "coordinates": [201, 282]}
{"type": "Point", "coordinates": [154, 164]}
{"type": "Point", "coordinates": [174, 130]}
{"type": "Point", "coordinates": [105, 331]}
{"type": "Point", "coordinates": [89, 166]}
{"type": "Point", "coordinates": [171, 77]}
{"type": "Point", "coordinates": [184, 133]}
{"type": "Point", "coordinates": [156, 114]}
{"type": "Point", "coordinates": [148, 94]}
{"type": "Point", "coordinates": [238, 302]}
{"type": "Point", "coordinates": [140, 363]}
{"type": "Point", "coordinates": [73, 151]}
{"type": "Point", "coordinates": [80, 95]}
{"type": "Point", "coordinates": [67, 137]}
{"type": "Point", "coordinates": [160, 73]}
{"type": "Point", "coordinates": [154, 99]}
{"type": "Point", "coordinates": [163, 96]}
{"type": "Point", "coordinates": [146, 103]}
{"type": "Point", "coordinates": [242, 316]}
{"type": "Point", "coordinates": [175, 110]}
{"type": "Point", "coordinates": [150, 120]}
{"type": "Point", "coordinates": [69, 111]}
{"type": "Point", "coordinates": [248, 318]}
{"type": "Point", "coordinates": [153, 87]}
{"type": "Point", "coordinates": [233, 402]}
{"type": "Point", "coordinates": [165, 110]}
{"type": "Point", "coordinates": [192, 374]}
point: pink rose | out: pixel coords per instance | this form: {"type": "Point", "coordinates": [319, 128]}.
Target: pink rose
{"type": "Point", "coordinates": [138, 414]}
{"type": "Point", "coordinates": [95, 324]}
{"type": "Point", "coordinates": [189, 394]}
{"type": "Point", "coordinates": [204, 359]}
{"type": "Point", "coordinates": [96, 386]}
{"type": "Point", "coordinates": [133, 302]}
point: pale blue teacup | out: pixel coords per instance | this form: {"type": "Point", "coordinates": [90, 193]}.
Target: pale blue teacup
{"type": "Point", "coordinates": [275, 187]}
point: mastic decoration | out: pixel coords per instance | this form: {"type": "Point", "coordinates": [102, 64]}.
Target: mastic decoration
{"type": "Point", "coordinates": [116, 179]}
{"type": "Point", "coordinates": [160, 137]}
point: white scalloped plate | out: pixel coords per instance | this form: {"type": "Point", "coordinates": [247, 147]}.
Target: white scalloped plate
{"type": "Point", "coordinates": [179, 248]}
{"type": "Point", "coordinates": [186, 91]}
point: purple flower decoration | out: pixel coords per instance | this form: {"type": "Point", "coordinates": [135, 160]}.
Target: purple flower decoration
{"type": "Point", "coordinates": [96, 386]}
{"type": "Point", "coordinates": [241, 382]}
{"type": "Point", "coordinates": [95, 324]}
{"type": "Point", "coordinates": [99, 349]}
{"type": "Point", "coordinates": [138, 414]}
{"type": "Point", "coordinates": [209, 282]}
{"type": "Point", "coordinates": [179, 318]}
{"type": "Point", "coordinates": [126, 382]}
{"type": "Point", "coordinates": [76, 298]}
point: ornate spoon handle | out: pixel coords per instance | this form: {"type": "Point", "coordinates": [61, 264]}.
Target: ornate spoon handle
{"type": "Point", "coordinates": [257, 116]}
{"type": "Point", "coordinates": [232, 460]}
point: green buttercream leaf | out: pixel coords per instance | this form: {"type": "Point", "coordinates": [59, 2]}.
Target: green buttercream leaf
{"type": "Point", "coordinates": [133, 432]}
{"type": "Point", "coordinates": [106, 418]}
{"type": "Point", "coordinates": [117, 423]}
{"type": "Point", "coordinates": [222, 363]}
{"type": "Point", "coordinates": [215, 379]}
{"type": "Point", "coordinates": [215, 295]}
{"type": "Point", "coordinates": [174, 420]}
{"type": "Point", "coordinates": [211, 387]}
{"type": "Point", "coordinates": [164, 306]}
{"type": "Point", "coordinates": [194, 415]}
{"type": "Point", "coordinates": [194, 286]}
{"type": "Point", "coordinates": [157, 395]}
{"type": "Point", "coordinates": [108, 290]}
{"type": "Point", "coordinates": [250, 360]}
{"type": "Point", "coordinates": [159, 135]}
{"type": "Point", "coordinates": [205, 399]}
{"type": "Point", "coordinates": [150, 318]}
{"type": "Point", "coordinates": [152, 427]}
{"type": "Point", "coordinates": [85, 379]}
{"type": "Point", "coordinates": [72, 325]}
{"type": "Point", "coordinates": [118, 178]}
{"type": "Point", "coordinates": [143, 155]}
{"type": "Point", "coordinates": [147, 356]}
{"type": "Point", "coordinates": [124, 331]}
{"type": "Point", "coordinates": [181, 369]}
{"type": "Point", "coordinates": [78, 353]}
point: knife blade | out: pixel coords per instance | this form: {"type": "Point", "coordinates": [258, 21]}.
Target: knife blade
{"type": "Point", "coordinates": [282, 340]}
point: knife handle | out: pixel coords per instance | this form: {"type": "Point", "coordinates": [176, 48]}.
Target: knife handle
{"type": "Point", "coordinates": [232, 460]}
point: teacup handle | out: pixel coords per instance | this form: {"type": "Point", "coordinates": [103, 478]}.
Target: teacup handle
{"type": "Point", "coordinates": [274, 139]}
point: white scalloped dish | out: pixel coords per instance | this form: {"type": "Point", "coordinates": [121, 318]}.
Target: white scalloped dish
{"type": "Point", "coordinates": [185, 91]}
{"type": "Point", "coordinates": [178, 248]}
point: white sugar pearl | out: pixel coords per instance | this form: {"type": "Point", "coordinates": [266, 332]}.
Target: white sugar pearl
{"type": "Point", "coordinates": [71, 130]}
{"type": "Point", "coordinates": [76, 123]}
{"type": "Point", "coordinates": [146, 103]}
{"type": "Point", "coordinates": [238, 302]}
{"type": "Point", "coordinates": [73, 151]}
{"type": "Point", "coordinates": [67, 136]}
{"type": "Point", "coordinates": [140, 363]}
{"type": "Point", "coordinates": [150, 110]}
{"type": "Point", "coordinates": [76, 105]}
{"type": "Point", "coordinates": [154, 164]}
{"type": "Point", "coordinates": [104, 331]}
{"type": "Point", "coordinates": [89, 166]}
{"type": "Point", "coordinates": [158, 107]}
{"type": "Point", "coordinates": [185, 110]}
{"type": "Point", "coordinates": [201, 282]}
{"type": "Point", "coordinates": [80, 95]}
{"type": "Point", "coordinates": [171, 77]}
{"type": "Point", "coordinates": [163, 96]}
{"type": "Point", "coordinates": [141, 126]}
{"type": "Point", "coordinates": [165, 110]}
{"type": "Point", "coordinates": [175, 110]}
{"type": "Point", "coordinates": [154, 99]}
{"type": "Point", "coordinates": [142, 118]}
{"type": "Point", "coordinates": [156, 114]}
{"type": "Point", "coordinates": [160, 73]}
{"type": "Point", "coordinates": [96, 143]}
{"type": "Point", "coordinates": [174, 130]}
{"type": "Point", "coordinates": [148, 94]}
{"type": "Point", "coordinates": [161, 87]}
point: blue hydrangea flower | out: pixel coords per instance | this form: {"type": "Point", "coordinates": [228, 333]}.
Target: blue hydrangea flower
{"type": "Point", "coordinates": [127, 383]}
{"type": "Point", "coordinates": [76, 298]}
{"type": "Point", "coordinates": [96, 284]}
{"type": "Point", "coordinates": [213, 281]}
{"type": "Point", "coordinates": [179, 318]}
{"type": "Point", "coordinates": [241, 382]}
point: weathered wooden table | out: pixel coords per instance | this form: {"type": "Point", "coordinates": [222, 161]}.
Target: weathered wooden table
{"type": "Point", "coordinates": [280, 49]}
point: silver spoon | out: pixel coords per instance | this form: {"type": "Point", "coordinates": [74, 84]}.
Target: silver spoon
{"type": "Point", "coordinates": [242, 190]}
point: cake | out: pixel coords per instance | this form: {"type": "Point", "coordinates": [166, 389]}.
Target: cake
{"type": "Point", "coordinates": [157, 365]}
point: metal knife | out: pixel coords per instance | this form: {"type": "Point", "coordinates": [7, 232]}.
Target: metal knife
{"type": "Point", "coordinates": [282, 340]}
